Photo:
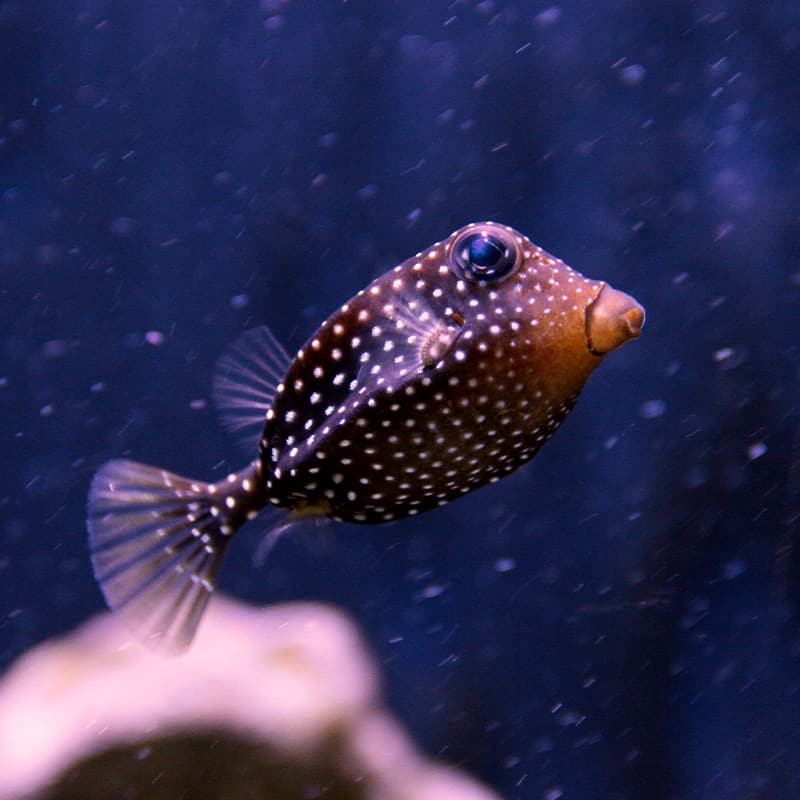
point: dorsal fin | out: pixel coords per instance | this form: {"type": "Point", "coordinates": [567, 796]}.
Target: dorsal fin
{"type": "Point", "coordinates": [245, 381]}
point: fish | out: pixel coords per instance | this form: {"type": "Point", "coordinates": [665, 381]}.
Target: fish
{"type": "Point", "coordinates": [446, 373]}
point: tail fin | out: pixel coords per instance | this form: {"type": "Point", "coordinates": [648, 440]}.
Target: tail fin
{"type": "Point", "coordinates": [157, 542]}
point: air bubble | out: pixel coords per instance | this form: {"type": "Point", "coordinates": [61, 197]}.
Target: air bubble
{"type": "Point", "coordinates": [633, 75]}
{"type": "Point", "coordinates": [155, 338]}
{"type": "Point", "coordinates": [756, 450]}
{"type": "Point", "coordinates": [652, 409]}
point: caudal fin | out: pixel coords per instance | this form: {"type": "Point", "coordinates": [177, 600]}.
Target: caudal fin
{"type": "Point", "coordinates": [157, 543]}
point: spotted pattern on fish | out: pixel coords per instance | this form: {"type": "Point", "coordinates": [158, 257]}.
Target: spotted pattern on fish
{"type": "Point", "coordinates": [362, 432]}
{"type": "Point", "coordinates": [444, 374]}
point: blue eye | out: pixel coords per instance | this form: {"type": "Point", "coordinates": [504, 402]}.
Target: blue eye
{"type": "Point", "coordinates": [485, 253]}
{"type": "Point", "coordinates": [484, 257]}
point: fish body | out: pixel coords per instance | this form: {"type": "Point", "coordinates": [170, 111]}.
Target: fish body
{"type": "Point", "coordinates": [444, 374]}
{"type": "Point", "coordinates": [365, 430]}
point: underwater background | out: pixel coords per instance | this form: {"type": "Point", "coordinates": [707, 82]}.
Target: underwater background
{"type": "Point", "coordinates": [617, 619]}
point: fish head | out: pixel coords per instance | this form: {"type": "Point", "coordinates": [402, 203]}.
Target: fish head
{"type": "Point", "coordinates": [526, 309]}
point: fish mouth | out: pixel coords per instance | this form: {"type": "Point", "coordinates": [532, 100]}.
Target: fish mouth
{"type": "Point", "coordinates": [612, 319]}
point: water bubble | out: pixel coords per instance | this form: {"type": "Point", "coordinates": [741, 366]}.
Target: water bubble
{"type": "Point", "coordinates": [756, 450]}
{"type": "Point", "coordinates": [550, 16]}
{"type": "Point", "coordinates": [696, 477]}
{"type": "Point", "coordinates": [734, 568]}
{"type": "Point", "coordinates": [368, 192]}
{"type": "Point", "coordinates": [143, 753]}
{"type": "Point", "coordinates": [123, 226]}
{"type": "Point", "coordinates": [273, 6]}
{"type": "Point", "coordinates": [569, 718]}
{"type": "Point", "coordinates": [55, 348]}
{"type": "Point", "coordinates": [155, 338]}
{"type": "Point", "coordinates": [632, 75]}
{"type": "Point", "coordinates": [652, 409]}
{"type": "Point", "coordinates": [17, 127]}
{"type": "Point", "coordinates": [274, 23]}
{"type": "Point", "coordinates": [328, 140]}
{"type": "Point", "coordinates": [223, 178]}
{"type": "Point", "coordinates": [723, 354]}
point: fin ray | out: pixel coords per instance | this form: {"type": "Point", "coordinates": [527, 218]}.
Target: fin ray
{"type": "Point", "coordinates": [421, 336]}
{"type": "Point", "coordinates": [310, 529]}
{"type": "Point", "coordinates": [246, 380]}
{"type": "Point", "coordinates": [157, 545]}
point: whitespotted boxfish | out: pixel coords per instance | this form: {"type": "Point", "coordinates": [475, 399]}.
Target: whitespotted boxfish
{"type": "Point", "coordinates": [446, 373]}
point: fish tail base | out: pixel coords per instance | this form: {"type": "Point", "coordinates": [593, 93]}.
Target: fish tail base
{"type": "Point", "coordinates": [157, 543]}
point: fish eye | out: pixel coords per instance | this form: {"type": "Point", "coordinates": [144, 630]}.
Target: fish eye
{"type": "Point", "coordinates": [484, 256]}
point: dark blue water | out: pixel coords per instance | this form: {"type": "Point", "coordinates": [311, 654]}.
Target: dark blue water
{"type": "Point", "coordinates": [619, 619]}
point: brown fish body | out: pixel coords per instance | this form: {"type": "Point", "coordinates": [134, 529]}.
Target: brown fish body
{"type": "Point", "coordinates": [355, 436]}
{"type": "Point", "coordinates": [444, 374]}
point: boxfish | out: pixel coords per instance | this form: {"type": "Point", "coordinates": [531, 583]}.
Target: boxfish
{"type": "Point", "coordinates": [444, 374]}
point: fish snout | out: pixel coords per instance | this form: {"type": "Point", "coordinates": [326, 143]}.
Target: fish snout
{"type": "Point", "coordinates": [611, 320]}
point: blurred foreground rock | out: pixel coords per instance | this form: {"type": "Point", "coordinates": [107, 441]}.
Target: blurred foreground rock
{"type": "Point", "coordinates": [280, 702]}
